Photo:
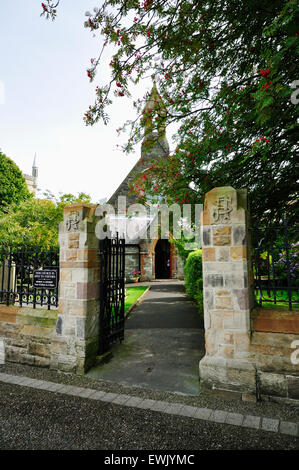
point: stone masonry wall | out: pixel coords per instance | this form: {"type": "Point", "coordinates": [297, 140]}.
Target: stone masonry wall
{"type": "Point", "coordinates": [26, 334]}
{"type": "Point", "coordinates": [248, 350]}
{"type": "Point", "coordinates": [228, 363]}
{"type": "Point", "coordinates": [274, 332]}
{"type": "Point", "coordinates": [75, 345]}
{"type": "Point", "coordinates": [65, 339]}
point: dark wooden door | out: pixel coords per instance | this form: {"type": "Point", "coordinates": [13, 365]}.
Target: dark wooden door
{"type": "Point", "coordinates": [162, 259]}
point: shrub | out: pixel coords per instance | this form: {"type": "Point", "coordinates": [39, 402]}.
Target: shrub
{"type": "Point", "coordinates": [281, 267]}
{"type": "Point", "coordinates": [193, 277]}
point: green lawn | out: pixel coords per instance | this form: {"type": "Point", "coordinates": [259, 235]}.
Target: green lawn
{"type": "Point", "coordinates": [280, 295]}
{"type": "Point", "coordinates": [132, 294]}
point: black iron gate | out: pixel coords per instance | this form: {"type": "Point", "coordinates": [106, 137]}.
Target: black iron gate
{"type": "Point", "coordinates": [112, 292]}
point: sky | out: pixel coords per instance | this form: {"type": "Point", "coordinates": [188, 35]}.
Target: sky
{"type": "Point", "coordinates": [44, 93]}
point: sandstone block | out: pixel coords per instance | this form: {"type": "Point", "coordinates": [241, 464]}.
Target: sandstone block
{"type": "Point", "coordinates": [59, 346]}
{"type": "Point", "coordinates": [73, 241]}
{"type": "Point", "coordinates": [67, 363]}
{"type": "Point", "coordinates": [242, 342]}
{"type": "Point", "coordinates": [223, 303]}
{"type": "Point", "coordinates": [213, 280]}
{"type": "Point", "coordinates": [71, 255]}
{"type": "Point", "coordinates": [227, 338]}
{"type": "Point", "coordinates": [226, 351]}
{"type": "Point", "coordinates": [65, 275]}
{"type": "Point", "coordinates": [235, 280]}
{"type": "Point", "coordinates": [216, 320]}
{"type": "Point", "coordinates": [228, 320]}
{"type": "Point", "coordinates": [37, 317]}
{"type": "Point", "coordinates": [36, 331]}
{"type": "Point", "coordinates": [222, 236]}
{"type": "Point", "coordinates": [8, 314]}
{"type": "Point", "coordinates": [276, 364]}
{"type": "Point", "coordinates": [87, 290]}
{"type": "Point", "coordinates": [208, 299]}
{"type": "Point", "coordinates": [42, 362]}
{"type": "Point", "coordinates": [279, 340]}
{"type": "Point", "coordinates": [293, 386]}
{"type": "Point", "coordinates": [239, 235]}
{"type": "Point", "coordinates": [275, 321]}
{"type": "Point", "coordinates": [208, 254]}
{"type": "Point", "coordinates": [242, 298]}
{"type": "Point", "coordinates": [39, 349]}
{"type": "Point", "coordinates": [27, 359]}
{"type": "Point", "coordinates": [238, 253]}
{"type": "Point", "coordinates": [272, 384]}
{"type": "Point", "coordinates": [223, 292]}
{"type": "Point", "coordinates": [222, 253]}
{"type": "Point", "coordinates": [207, 320]}
{"type": "Point", "coordinates": [211, 342]}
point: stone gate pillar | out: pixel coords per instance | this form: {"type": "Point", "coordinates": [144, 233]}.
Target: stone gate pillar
{"type": "Point", "coordinates": [228, 296]}
{"type": "Point", "coordinates": [75, 345]}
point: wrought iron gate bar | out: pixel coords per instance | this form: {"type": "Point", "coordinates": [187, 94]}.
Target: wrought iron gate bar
{"type": "Point", "coordinates": [112, 292]}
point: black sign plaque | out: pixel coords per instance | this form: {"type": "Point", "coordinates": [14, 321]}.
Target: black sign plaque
{"type": "Point", "coordinates": [45, 279]}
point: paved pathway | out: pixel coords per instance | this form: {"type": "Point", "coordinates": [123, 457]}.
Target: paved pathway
{"type": "Point", "coordinates": [164, 342]}
{"type": "Point", "coordinates": [178, 409]}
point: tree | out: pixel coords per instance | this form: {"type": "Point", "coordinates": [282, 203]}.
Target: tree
{"type": "Point", "coordinates": [226, 71]}
{"type": "Point", "coordinates": [13, 187]}
{"type": "Point", "coordinates": [35, 222]}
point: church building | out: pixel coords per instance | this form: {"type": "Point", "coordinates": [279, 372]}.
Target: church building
{"type": "Point", "coordinates": [155, 258]}
{"type": "Point", "coordinates": [31, 180]}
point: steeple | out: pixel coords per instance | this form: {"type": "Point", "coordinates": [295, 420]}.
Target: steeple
{"type": "Point", "coordinates": [35, 171]}
{"type": "Point", "coordinates": [154, 146]}
{"type": "Point", "coordinates": [154, 114]}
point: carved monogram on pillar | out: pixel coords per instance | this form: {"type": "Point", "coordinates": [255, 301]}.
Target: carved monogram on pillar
{"type": "Point", "coordinates": [222, 209]}
{"type": "Point", "coordinates": [72, 223]}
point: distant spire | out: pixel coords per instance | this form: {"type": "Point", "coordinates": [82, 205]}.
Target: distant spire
{"type": "Point", "coordinates": [35, 170]}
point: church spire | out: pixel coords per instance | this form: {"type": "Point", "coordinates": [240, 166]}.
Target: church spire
{"type": "Point", "coordinates": [34, 162]}
{"type": "Point", "coordinates": [154, 114]}
{"type": "Point", "coordinates": [35, 171]}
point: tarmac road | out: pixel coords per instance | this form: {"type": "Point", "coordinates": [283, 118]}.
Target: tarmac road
{"type": "Point", "coordinates": [37, 419]}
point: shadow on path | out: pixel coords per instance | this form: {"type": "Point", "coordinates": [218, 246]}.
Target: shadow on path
{"type": "Point", "coordinates": [164, 342]}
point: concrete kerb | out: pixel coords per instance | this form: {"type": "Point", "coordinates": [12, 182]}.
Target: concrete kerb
{"type": "Point", "coordinates": [217, 416]}
{"type": "Point", "coordinates": [138, 301]}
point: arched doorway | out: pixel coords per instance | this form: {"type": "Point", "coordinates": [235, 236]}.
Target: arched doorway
{"type": "Point", "coordinates": [162, 259]}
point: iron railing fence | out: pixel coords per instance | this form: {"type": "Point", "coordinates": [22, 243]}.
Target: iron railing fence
{"type": "Point", "coordinates": [276, 264]}
{"type": "Point", "coordinates": [29, 276]}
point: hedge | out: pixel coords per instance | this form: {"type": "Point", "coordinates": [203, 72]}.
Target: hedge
{"type": "Point", "coordinates": [193, 277]}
